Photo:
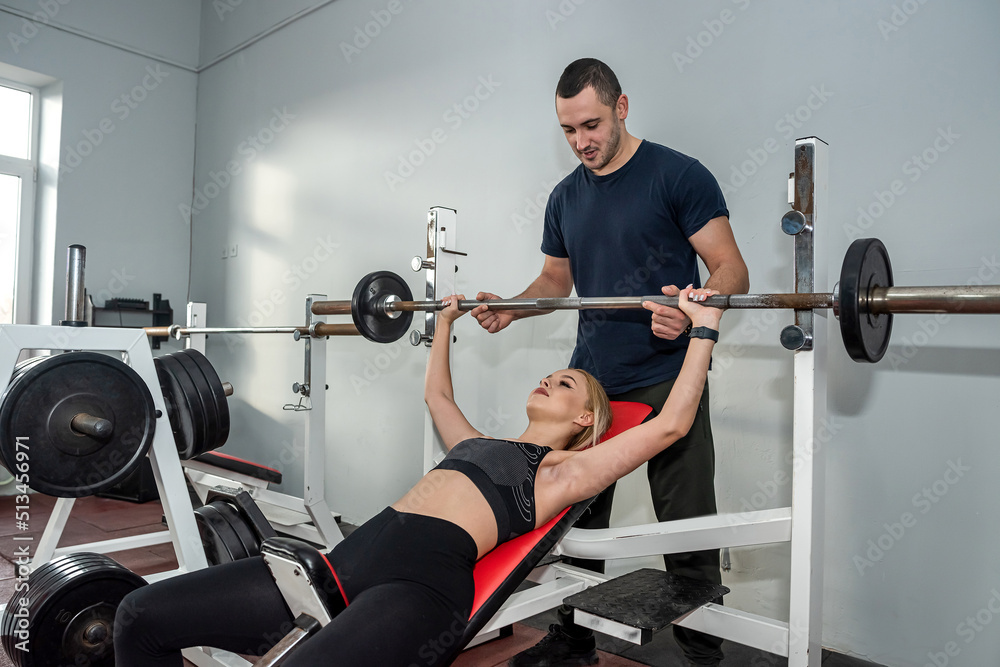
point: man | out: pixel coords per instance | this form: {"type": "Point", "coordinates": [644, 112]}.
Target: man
{"type": "Point", "coordinates": [633, 217]}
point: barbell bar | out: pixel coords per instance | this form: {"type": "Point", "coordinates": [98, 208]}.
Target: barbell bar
{"type": "Point", "coordinates": [981, 300]}
{"type": "Point", "coordinates": [320, 329]}
{"type": "Point", "coordinates": [978, 300]}
{"type": "Point", "coordinates": [865, 300]}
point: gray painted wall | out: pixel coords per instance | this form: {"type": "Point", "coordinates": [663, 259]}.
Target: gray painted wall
{"type": "Point", "coordinates": [113, 169]}
{"type": "Point", "coordinates": [297, 132]}
{"type": "Point", "coordinates": [313, 211]}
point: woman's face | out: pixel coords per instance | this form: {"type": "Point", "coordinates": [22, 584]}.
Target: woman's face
{"type": "Point", "coordinates": [561, 394]}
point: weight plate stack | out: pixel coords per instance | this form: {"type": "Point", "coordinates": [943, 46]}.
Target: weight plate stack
{"type": "Point", "coordinates": [38, 441]}
{"type": "Point", "coordinates": [244, 531]}
{"type": "Point", "coordinates": [218, 537]}
{"type": "Point", "coordinates": [66, 616]}
{"type": "Point", "coordinates": [196, 402]}
{"type": "Point", "coordinates": [226, 534]}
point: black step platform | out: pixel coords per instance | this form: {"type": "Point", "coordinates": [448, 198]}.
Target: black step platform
{"type": "Point", "coordinates": [640, 603]}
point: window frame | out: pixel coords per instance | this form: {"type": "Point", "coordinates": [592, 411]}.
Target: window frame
{"type": "Point", "coordinates": [27, 171]}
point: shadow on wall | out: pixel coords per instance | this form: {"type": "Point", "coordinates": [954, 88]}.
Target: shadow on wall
{"type": "Point", "coordinates": [850, 394]}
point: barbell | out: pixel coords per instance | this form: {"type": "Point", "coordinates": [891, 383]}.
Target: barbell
{"type": "Point", "coordinates": [864, 300]}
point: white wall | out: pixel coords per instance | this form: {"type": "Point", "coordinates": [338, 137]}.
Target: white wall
{"type": "Point", "coordinates": [118, 156]}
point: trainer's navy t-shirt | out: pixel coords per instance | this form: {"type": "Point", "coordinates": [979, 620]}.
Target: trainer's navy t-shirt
{"type": "Point", "coordinates": [626, 234]}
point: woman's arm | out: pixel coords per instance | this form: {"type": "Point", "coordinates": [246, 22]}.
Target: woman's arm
{"type": "Point", "coordinates": [438, 392]}
{"type": "Point", "coordinates": [588, 472]}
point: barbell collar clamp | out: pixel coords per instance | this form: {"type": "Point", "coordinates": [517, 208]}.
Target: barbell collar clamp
{"type": "Point", "coordinates": [387, 306]}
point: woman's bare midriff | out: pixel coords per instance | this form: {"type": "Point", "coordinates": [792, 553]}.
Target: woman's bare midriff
{"type": "Point", "coordinates": [450, 495]}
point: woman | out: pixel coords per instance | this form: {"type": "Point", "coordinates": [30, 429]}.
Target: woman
{"type": "Point", "coordinates": [407, 573]}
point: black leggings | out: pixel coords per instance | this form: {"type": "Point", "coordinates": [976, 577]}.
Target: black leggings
{"type": "Point", "coordinates": [408, 582]}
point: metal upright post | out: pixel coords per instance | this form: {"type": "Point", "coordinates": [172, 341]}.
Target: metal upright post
{"type": "Point", "coordinates": [197, 316]}
{"type": "Point", "coordinates": [314, 493]}
{"type": "Point", "coordinates": [805, 619]}
{"type": "Point", "coordinates": [441, 265]}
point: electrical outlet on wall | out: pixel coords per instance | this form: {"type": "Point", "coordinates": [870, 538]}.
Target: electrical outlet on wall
{"type": "Point", "coordinates": [225, 251]}
{"type": "Point", "coordinates": [233, 249]}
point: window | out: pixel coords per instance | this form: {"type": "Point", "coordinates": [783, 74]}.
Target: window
{"type": "Point", "coordinates": [18, 162]}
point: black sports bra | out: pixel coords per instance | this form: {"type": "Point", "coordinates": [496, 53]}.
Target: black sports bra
{"type": "Point", "coordinates": [504, 472]}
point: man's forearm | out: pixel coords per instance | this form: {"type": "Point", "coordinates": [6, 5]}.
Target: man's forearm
{"type": "Point", "coordinates": [543, 287]}
{"type": "Point", "coordinates": [729, 279]}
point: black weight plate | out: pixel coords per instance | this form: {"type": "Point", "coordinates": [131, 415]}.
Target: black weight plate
{"type": "Point", "coordinates": [178, 411]}
{"type": "Point", "coordinates": [69, 612]}
{"type": "Point", "coordinates": [218, 537]}
{"type": "Point", "coordinates": [190, 413]}
{"type": "Point", "coordinates": [371, 321]}
{"type": "Point", "coordinates": [195, 399]}
{"type": "Point", "coordinates": [240, 526]}
{"type": "Point", "coordinates": [207, 399]}
{"type": "Point", "coordinates": [221, 400]}
{"type": "Point", "coordinates": [58, 425]}
{"type": "Point", "coordinates": [196, 360]}
{"type": "Point", "coordinates": [19, 370]}
{"type": "Point", "coordinates": [866, 334]}
{"type": "Point", "coordinates": [233, 543]}
{"type": "Point", "coordinates": [39, 404]}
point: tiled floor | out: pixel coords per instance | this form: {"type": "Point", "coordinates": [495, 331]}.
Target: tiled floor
{"type": "Point", "coordinates": [95, 519]}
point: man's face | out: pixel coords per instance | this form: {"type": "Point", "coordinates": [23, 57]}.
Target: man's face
{"type": "Point", "coordinates": [593, 129]}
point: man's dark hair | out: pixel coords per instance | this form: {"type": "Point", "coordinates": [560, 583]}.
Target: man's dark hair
{"type": "Point", "coordinates": [589, 72]}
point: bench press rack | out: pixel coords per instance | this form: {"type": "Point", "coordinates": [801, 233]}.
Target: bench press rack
{"type": "Point", "coordinates": [800, 524]}
{"type": "Point", "coordinates": [308, 517]}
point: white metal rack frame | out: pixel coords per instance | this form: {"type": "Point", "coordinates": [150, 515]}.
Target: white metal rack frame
{"type": "Point", "coordinates": [134, 345]}
{"type": "Point", "coordinates": [309, 517]}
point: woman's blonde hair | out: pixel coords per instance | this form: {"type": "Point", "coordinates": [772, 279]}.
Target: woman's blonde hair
{"type": "Point", "coordinates": [598, 403]}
